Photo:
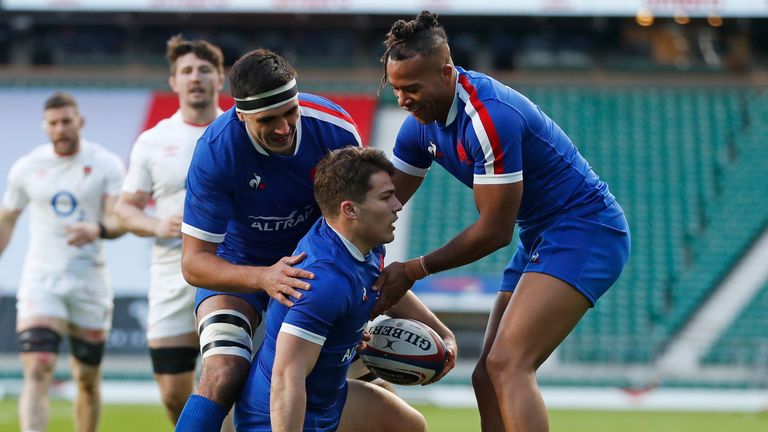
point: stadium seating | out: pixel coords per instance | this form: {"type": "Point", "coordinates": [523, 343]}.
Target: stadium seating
{"type": "Point", "coordinates": [680, 160]}
{"type": "Point", "coordinates": [744, 342]}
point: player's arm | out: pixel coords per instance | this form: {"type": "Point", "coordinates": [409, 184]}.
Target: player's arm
{"type": "Point", "coordinates": [8, 220]}
{"type": "Point", "coordinates": [405, 185]}
{"type": "Point", "coordinates": [112, 227]}
{"type": "Point", "coordinates": [82, 233]}
{"type": "Point", "coordinates": [130, 213]}
{"type": "Point", "coordinates": [411, 160]}
{"type": "Point", "coordinates": [294, 360]}
{"type": "Point", "coordinates": [497, 205]}
{"type": "Point", "coordinates": [107, 227]}
{"type": "Point", "coordinates": [410, 306]}
{"type": "Point", "coordinates": [203, 268]}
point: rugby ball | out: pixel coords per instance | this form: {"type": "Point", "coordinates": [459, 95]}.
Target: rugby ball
{"type": "Point", "coordinates": [404, 351]}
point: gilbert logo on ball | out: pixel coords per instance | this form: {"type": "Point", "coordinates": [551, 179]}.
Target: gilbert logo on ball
{"type": "Point", "coordinates": [404, 351]}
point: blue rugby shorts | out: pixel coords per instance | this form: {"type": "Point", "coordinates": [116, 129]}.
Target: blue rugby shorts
{"type": "Point", "coordinates": [257, 300]}
{"type": "Point", "coordinates": [587, 252]}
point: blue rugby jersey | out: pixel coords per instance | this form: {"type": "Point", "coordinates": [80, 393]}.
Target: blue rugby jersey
{"type": "Point", "coordinates": [258, 205]}
{"type": "Point", "coordinates": [332, 314]}
{"type": "Point", "coordinates": [495, 135]}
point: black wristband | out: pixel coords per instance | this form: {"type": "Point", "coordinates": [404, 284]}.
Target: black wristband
{"type": "Point", "coordinates": [102, 230]}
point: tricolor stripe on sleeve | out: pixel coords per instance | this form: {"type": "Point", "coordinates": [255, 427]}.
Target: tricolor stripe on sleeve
{"type": "Point", "coordinates": [303, 334]}
{"type": "Point", "coordinates": [483, 126]}
{"type": "Point", "coordinates": [324, 113]}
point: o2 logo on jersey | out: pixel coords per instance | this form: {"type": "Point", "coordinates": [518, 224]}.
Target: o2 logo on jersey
{"type": "Point", "coordinates": [64, 203]}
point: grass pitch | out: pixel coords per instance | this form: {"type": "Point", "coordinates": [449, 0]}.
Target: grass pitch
{"type": "Point", "coordinates": [120, 418]}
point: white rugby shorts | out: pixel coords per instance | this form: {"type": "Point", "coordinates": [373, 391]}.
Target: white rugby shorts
{"type": "Point", "coordinates": [83, 299]}
{"type": "Point", "coordinates": [171, 303]}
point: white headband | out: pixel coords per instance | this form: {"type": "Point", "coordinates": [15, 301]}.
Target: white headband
{"type": "Point", "coordinates": [268, 99]}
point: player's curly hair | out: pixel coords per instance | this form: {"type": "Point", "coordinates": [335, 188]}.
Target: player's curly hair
{"type": "Point", "coordinates": [423, 35]}
{"type": "Point", "coordinates": [177, 47]}
{"type": "Point", "coordinates": [345, 174]}
{"type": "Point", "coordinates": [259, 71]}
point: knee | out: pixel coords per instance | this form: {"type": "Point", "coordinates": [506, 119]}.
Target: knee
{"type": "Point", "coordinates": [480, 378]}
{"type": "Point", "coordinates": [503, 364]}
{"type": "Point", "coordinates": [174, 399]}
{"type": "Point", "coordinates": [222, 378]}
{"type": "Point", "coordinates": [420, 423]}
{"type": "Point", "coordinates": [413, 421]}
{"type": "Point", "coordinates": [42, 367]}
{"type": "Point", "coordinates": [87, 382]}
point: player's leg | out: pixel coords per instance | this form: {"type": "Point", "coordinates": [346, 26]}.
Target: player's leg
{"type": "Point", "coordinates": [359, 371]}
{"type": "Point", "coordinates": [89, 304]}
{"type": "Point", "coordinates": [572, 263]}
{"type": "Point", "coordinates": [487, 403]}
{"type": "Point", "coordinates": [371, 408]}
{"type": "Point", "coordinates": [87, 349]}
{"type": "Point", "coordinates": [540, 314]}
{"type": "Point", "coordinates": [172, 338]}
{"type": "Point", "coordinates": [41, 323]}
{"type": "Point", "coordinates": [39, 340]}
{"type": "Point", "coordinates": [225, 327]}
{"type": "Point", "coordinates": [173, 361]}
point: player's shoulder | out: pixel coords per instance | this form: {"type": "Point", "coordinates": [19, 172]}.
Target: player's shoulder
{"type": "Point", "coordinates": [488, 89]}
{"type": "Point", "coordinates": [322, 108]}
{"type": "Point", "coordinates": [102, 155]}
{"type": "Point", "coordinates": [42, 151]}
{"type": "Point", "coordinates": [162, 130]}
{"type": "Point", "coordinates": [313, 100]}
{"type": "Point", "coordinates": [335, 125]}
{"type": "Point", "coordinates": [324, 253]}
{"type": "Point", "coordinates": [410, 124]}
{"type": "Point", "coordinates": [221, 132]}
{"type": "Point", "coordinates": [35, 156]}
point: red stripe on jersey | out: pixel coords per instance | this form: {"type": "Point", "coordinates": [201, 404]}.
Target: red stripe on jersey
{"type": "Point", "coordinates": [327, 110]}
{"type": "Point", "coordinates": [487, 122]}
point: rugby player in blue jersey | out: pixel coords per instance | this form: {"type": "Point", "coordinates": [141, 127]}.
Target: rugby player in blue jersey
{"type": "Point", "coordinates": [299, 378]}
{"type": "Point", "coordinates": [523, 169]}
{"type": "Point", "coordinates": [249, 200]}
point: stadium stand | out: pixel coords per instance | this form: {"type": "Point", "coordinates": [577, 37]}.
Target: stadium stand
{"type": "Point", "coordinates": [744, 342]}
{"type": "Point", "coordinates": [680, 160]}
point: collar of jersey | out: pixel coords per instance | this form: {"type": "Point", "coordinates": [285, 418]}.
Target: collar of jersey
{"type": "Point", "coordinates": [83, 147]}
{"type": "Point", "coordinates": [263, 151]}
{"type": "Point", "coordinates": [353, 250]}
{"type": "Point", "coordinates": [454, 105]}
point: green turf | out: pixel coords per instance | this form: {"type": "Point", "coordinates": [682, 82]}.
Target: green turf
{"type": "Point", "coordinates": [146, 418]}
{"type": "Point", "coordinates": [468, 420]}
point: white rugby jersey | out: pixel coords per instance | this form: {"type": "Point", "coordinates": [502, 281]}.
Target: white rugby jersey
{"type": "Point", "coordinates": [60, 191]}
{"type": "Point", "coordinates": [158, 165]}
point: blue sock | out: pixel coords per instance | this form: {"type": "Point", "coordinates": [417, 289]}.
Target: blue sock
{"type": "Point", "coordinates": [201, 414]}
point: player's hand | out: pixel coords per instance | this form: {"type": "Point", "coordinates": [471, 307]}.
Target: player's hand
{"type": "Point", "coordinates": [169, 227]}
{"type": "Point", "coordinates": [451, 354]}
{"type": "Point", "coordinates": [363, 344]}
{"type": "Point", "coordinates": [393, 284]}
{"type": "Point", "coordinates": [82, 233]}
{"type": "Point", "coordinates": [281, 280]}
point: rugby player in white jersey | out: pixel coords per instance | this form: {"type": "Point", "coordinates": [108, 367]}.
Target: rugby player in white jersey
{"type": "Point", "coordinates": [71, 186]}
{"type": "Point", "coordinates": [158, 170]}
